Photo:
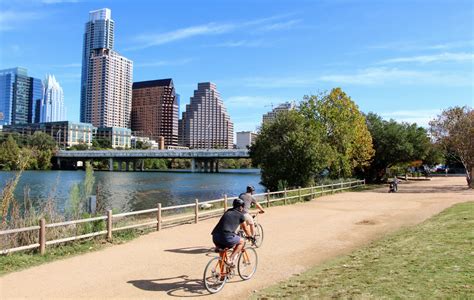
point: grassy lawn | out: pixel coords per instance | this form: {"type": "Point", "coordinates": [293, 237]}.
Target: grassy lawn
{"type": "Point", "coordinates": [432, 260]}
{"type": "Point", "coordinates": [22, 260]}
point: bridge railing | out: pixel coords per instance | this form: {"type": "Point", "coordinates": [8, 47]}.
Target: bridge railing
{"type": "Point", "coordinates": [160, 217]}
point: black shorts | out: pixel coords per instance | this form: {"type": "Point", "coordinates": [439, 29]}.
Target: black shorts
{"type": "Point", "coordinates": [227, 240]}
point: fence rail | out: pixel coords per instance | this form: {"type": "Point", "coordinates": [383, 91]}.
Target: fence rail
{"type": "Point", "coordinates": [182, 215]}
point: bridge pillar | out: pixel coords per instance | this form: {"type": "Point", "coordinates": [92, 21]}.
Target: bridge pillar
{"type": "Point", "coordinates": [127, 165]}
{"type": "Point", "coordinates": [111, 164]}
{"type": "Point", "coordinates": [58, 162]}
{"type": "Point", "coordinates": [217, 166]}
{"type": "Point", "coordinates": [134, 165]}
{"type": "Point", "coordinates": [193, 165]}
{"type": "Point", "coordinates": [211, 165]}
{"type": "Point", "coordinates": [119, 165]}
{"type": "Point", "coordinates": [206, 166]}
{"type": "Point", "coordinates": [142, 165]}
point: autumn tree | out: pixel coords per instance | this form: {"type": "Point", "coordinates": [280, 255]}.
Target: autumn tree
{"type": "Point", "coordinates": [345, 131]}
{"type": "Point", "coordinates": [453, 130]}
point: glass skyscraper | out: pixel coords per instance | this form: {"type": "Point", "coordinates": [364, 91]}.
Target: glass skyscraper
{"type": "Point", "coordinates": [52, 104]}
{"type": "Point", "coordinates": [19, 94]}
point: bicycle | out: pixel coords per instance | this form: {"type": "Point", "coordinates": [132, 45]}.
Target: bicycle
{"type": "Point", "coordinates": [258, 230]}
{"type": "Point", "coordinates": [218, 271]}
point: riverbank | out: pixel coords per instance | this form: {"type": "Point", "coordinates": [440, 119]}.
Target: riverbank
{"type": "Point", "coordinates": [169, 263]}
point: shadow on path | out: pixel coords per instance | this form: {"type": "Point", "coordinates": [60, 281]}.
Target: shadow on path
{"type": "Point", "coordinates": [180, 286]}
{"type": "Point", "coordinates": [192, 250]}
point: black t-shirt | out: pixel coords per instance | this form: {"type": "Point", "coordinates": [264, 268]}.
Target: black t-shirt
{"type": "Point", "coordinates": [229, 222]}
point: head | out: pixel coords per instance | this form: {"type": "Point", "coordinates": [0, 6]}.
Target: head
{"type": "Point", "coordinates": [250, 189]}
{"type": "Point", "coordinates": [238, 204]}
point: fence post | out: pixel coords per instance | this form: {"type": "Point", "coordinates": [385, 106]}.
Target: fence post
{"type": "Point", "coordinates": [284, 197]}
{"type": "Point", "coordinates": [109, 225]}
{"type": "Point", "coordinates": [312, 192]}
{"type": "Point", "coordinates": [225, 202]}
{"type": "Point", "coordinates": [364, 181]}
{"type": "Point", "coordinates": [42, 236]}
{"type": "Point", "coordinates": [158, 218]}
{"type": "Point", "coordinates": [299, 194]}
{"type": "Point", "coordinates": [196, 211]}
{"type": "Point", "coordinates": [268, 198]}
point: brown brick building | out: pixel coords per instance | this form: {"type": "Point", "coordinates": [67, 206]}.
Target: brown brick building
{"type": "Point", "coordinates": [155, 110]}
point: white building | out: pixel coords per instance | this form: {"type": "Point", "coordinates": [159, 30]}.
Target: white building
{"type": "Point", "coordinates": [280, 108]}
{"type": "Point", "coordinates": [245, 138]}
{"type": "Point", "coordinates": [52, 105]}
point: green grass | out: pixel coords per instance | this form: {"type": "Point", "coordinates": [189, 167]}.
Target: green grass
{"type": "Point", "coordinates": [432, 260]}
{"type": "Point", "coordinates": [22, 260]}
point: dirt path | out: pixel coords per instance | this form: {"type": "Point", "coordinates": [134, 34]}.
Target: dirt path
{"type": "Point", "coordinates": [170, 263]}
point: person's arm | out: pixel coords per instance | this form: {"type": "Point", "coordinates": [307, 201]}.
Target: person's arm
{"type": "Point", "coordinates": [259, 207]}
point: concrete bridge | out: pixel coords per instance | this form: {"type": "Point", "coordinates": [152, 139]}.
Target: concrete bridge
{"type": "Point", "coordinates": [202, 160]}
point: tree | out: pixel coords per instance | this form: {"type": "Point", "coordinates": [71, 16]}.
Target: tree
{"type": "Point", "coordinates": [346, 130]}
{"type": "Point", "coordinates": [290, 151]}
{"type": "Point", "coordinates": [42, 141]}
{"type": "Point", "coordinates": [9, 154]}
{"type": "Point", "coordinates": [101, 143]}
{"type": "Point", "coordinates": [394, 143]}
{"type": "Point", "coordinates": [453, 130]}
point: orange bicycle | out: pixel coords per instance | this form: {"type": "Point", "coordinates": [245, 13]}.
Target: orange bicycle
{"type": "Point", "coordinates": [218, 271]}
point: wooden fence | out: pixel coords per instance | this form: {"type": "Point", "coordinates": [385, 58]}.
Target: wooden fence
{"type": "Point", "coordinates": [198, 210]}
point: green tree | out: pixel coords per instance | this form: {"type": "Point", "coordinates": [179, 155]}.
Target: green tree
{"type": "Point", "coordinates": [453, 130]}
{"type": "Point", "coordinates": [290, 151]}
{"type": "Point", "coordinates": [42, 141]}
{"type": "Point", "coordinates": [80, 146]}
{"type": "Point", "coordinates": [101, 143]}
{"type": "Point", "coordinates": [9, 154]}
{"type": "Point", "coordinates": [346, 130]}
{"type": "Point", "coordinates": [394, 143]}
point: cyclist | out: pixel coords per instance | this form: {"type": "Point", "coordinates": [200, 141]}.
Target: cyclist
{"type": "Point", "coordinates": [224, 236]}
{"type": "Point", "coordinates": [249, 200]}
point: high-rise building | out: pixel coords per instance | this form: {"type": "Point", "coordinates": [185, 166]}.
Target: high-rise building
{"type": "Point", "coordinates": [280, 108]}
{"type": "Point", "coordinates": [155, 110]}
{"type": "Point", "coordinates": [52, 105]}
{"type": "Point", "coordinates": [109, 89]}
{"type": "Point", "coordinates": [106, 83]}
{"type": "Point", "coordinates": [245, 139]}
{"type": "Point", "coordinates": [19, 94]}
{"type": "Point", "coordinates": [99, 34]}
{"type": "Point", "coordinates": [206, 123]}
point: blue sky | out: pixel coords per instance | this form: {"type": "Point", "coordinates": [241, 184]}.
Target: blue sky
{"type": "Point", "coordinates": [403, 59]}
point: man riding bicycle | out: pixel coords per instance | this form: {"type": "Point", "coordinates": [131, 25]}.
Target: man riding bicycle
{"type": "Point", "coordinates": [224, 236]}
{"type": "Point", "coordinates": [249, 200]}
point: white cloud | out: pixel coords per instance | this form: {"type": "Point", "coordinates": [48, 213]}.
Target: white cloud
{"type": "Point", "coordinates": [241, 43]}
{"type": "Point", "coordinates": [420, 117]}
{"type": "Point", "coordinates": [149, 40]}
{"type": "Point", "coordinates": [213, 28]}
{"type": "Point", "coordinates": [280, 82]}
{"type": "Point", "coordinates": [378, 76]}
{"type": "Point", "coordinates": [443, 57]}
{"type": "Point", "coordinates": [160, 63]}
{"type": "Point", "coordinates": [281, 25]}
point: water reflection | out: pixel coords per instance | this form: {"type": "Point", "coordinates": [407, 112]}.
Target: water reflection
{"type": "Point", "coordinates": [135, 190]}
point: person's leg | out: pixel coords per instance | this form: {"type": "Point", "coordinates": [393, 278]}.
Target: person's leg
{"type": "Point", "coordinates": [238, 247]}
{"type": "Point", "coordinates": [249, 221]}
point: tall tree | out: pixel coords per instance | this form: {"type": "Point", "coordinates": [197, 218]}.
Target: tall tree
{"type": "Point", "coordinates": [345, 128]}
{"type": "Point", "coordinates": [290, 151]}
{"type": "Point", "coordinates": [394, 143]}
{"type": "Point", "coordinates": [453, 130]}
{"type": "Point", "coordinates": [9, 154]}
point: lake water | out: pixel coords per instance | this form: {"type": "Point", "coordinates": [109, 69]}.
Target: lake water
{"type": "Point", "coordinates": [130, 191]}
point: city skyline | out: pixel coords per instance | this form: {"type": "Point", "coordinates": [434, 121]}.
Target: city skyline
{"type": "Point", "coordinates": [392, 59]}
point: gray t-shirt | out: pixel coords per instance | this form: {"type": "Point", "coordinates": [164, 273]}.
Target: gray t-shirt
{"type": "Point", "coordinates": [248, 200]}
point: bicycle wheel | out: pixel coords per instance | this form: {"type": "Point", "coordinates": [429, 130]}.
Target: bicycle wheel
{"type": "Point", "coordinates": [258, 235]}
{"type": "Point", "coordinates": [247, 264]}
{"type": "Point", "coordinates": [214, 275]}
